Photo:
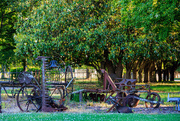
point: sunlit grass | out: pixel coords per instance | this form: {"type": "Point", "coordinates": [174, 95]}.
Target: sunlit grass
{"type": "Point", "coordinates": [87, 117]}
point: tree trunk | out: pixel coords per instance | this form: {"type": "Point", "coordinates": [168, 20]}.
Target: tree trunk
{"type": "Point", "coordinates": [2, 73]}
{"type": "Point", "coordinates": [146, 71]}
{"type": "Point", "coordinates": [173, 68]}
{"type": "Point", "coordinates": [128, 70]}
{"type": "Point", "coordinates": [145, 75]}
{"type": "Point", "coordinates": [172, 75]}
{"type": "Point", "coordinates": [140, 75]}
{"type": "Point", "coordinates": [159, 66]}
{"type": "Point", "coordinates": [165, 71]}
{"type": "Point", "coordinates": [152, 74]}
{"type": "Point", "coordinates": [135, 70]}
{"type": "Point", "coordinates": [165, 78]}
{"type": "Point", "coordinates": [119, 70]}
{"type": "Point", "coordinates": [167, 74]}
{"type": "Point", "coordinates": [24, 64]}
{"type": "Point", "coordinates": [134, 73]}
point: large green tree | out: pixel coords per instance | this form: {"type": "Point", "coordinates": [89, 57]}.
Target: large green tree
{"type": "Point", "coordinates": [157, 38]}
{"type": "Point", "coordinates": [101, 33]}
{"type": "Point", "coordinates": [9, 10]}
{"type": "Point", "coordinates": [78, 32]}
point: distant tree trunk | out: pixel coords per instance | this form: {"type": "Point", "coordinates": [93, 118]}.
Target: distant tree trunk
{"type": "Point", "coordinates": [172, 74]}
{"type": "Point", "coordinates": [2, 71]}
{"type": "Point", "coordinates": [140, 75]}
{"type": "Point", "coordinates": [128, 70]}
{"type": "Point", "coordinates": [167, 74]}
{"type": "Point", "coordinates": [152, 74]}
{"type": "Point", "coordinates": [141, 67]}
{"type": "Point", "coordinates": [146, 70]}
{"type": "Point", "coordinates": [119, 70]}
{"type": "Point", "coordinates": [174, 66]}
{"type": "Point", "coordinates": [24, 64]}
{"type": "Point", "coordinates": [165, 71]}
{"type": "Point", "coordinates": [159, 66]}
{"type": "Point", "coordinates": [134, 73]}
{"type": "Point", "coordinates": [135, 70]}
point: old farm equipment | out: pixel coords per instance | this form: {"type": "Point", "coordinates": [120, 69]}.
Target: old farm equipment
{"type": "Point", "coordinates": [127, 93]}
{"type": "Point", "coordinates": [123, 94]}
{"type": "Point", "coordinates": [46, 95]}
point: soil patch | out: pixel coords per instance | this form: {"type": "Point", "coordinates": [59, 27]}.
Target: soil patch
{"type": "Point", "coordinates": [10, 106]}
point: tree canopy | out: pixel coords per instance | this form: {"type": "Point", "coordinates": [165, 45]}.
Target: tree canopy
{"type": "Point", "coordinates": [102, 33]}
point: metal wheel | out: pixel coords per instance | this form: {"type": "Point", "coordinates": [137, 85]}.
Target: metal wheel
{"type": "Point", "coordinates": [68, 78]}
{"type": "Point", "coordinates": [153, 97]}
{"type": "Point", "coordinates": [68, 74]}
{"type": "Point", "coordinates": [131, 101]}
{"type": "Point", "coordinates": [29, 99]}
{"type": "Point", "coordinates": [56, 97]}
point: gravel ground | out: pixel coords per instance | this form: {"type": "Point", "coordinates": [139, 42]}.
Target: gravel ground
{"type": "Point", "coordinates": [10, 106]}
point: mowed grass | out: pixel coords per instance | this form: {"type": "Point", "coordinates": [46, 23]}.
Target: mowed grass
{"type": "Point", "coordinates": [166, 88]}
{"type": "Point", "coordinates": [87, 117]}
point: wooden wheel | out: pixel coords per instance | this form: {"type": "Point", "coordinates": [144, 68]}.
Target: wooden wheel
{"type": "Point", "coordinates": [29, 99]}
{"type": "Point", "coordinates": [153, 97]}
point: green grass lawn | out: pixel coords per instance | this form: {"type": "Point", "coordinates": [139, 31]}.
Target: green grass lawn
{"type": "Point", "coordinates": [166, 88]}
{"type": "Point", "coordinates": [87, 117]}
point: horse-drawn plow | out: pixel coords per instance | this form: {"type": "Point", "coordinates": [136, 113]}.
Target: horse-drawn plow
{"type": "Point", "coordinates": [123, 94]}
{"type": "Point", "coordinates": [49, 96]}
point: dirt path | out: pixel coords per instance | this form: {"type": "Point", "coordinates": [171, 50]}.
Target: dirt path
{"type": "Point", "coordinates": [10, 106]}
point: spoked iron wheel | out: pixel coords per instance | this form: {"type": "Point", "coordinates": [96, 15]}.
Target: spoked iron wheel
{"type": "Point", "coordinates": [131, 101]}
{"type": "Point", "coordinates": [56, 97]}
{"type": "Point", "coordinates": [29, 99]}
{"type": "Point", "coordinates": [153, 97]}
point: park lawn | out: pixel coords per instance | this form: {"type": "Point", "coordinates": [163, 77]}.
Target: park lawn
{"type": "Point", "coordinates": [87, 117]}
{"type": "Point", "coordinates": [166, 88]}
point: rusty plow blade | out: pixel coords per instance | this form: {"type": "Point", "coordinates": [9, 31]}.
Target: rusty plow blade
{"type": "Point", "coordinates": [119, 108]}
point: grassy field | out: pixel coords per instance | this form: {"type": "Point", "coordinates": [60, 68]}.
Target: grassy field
{"type": "Point", "coordinates": [87, 117]}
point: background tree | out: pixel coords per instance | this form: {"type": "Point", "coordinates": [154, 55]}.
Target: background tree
{"type": "Point", "coordinates": [103, 34]}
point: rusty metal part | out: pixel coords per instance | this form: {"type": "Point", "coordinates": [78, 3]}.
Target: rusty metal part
{"type": "Point", "coordinates": [50, 103]}
{"type": "Point", "coordinates": [25, 77]}
{"type": "Point", "coordinates": [123, 109]}
{"type": "Point", "coordinates": [129, 87]}
{"type": "Point", "coordinates": [131, 101]}
{"type": "Point", "coordinates": [97, 97]}
{"type": "Point", "coordinates": [121, 96]}
{"type": "Point", "coordinates": [29, 99]}
{"type": "Point", "coordinates": [154, 100]}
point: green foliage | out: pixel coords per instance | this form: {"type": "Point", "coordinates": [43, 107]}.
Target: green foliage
{"type": "Point", "coordinates": [20, 69]}
{"type": "Point", "coordinates": [102, 34]}
{"type": "Point", "coordinates": [178, 70]}
{"type": "Point", "coordinates": [7, 20]}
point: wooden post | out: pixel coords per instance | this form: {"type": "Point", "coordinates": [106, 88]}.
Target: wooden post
{"type": "Point", "coordinates": [80, 96]}
{"type": "Point", "coordinates": [43, 85]}
{"type": "Point", "coordinates": [0, 99]}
